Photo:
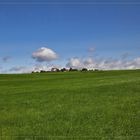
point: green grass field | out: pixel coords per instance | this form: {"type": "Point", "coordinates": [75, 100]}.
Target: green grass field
{"type": "Point", "coordinates": [102, 105]}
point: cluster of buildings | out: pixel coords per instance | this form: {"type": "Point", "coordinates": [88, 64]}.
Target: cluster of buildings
{"type": "Point", "coordinates": [63, 70]}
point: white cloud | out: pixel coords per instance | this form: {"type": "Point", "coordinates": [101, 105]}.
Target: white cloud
{"type": "Point", "coordinates": [74, 63]}
{"type": "Point", "coordinates": [88, 61]}
{"type": "Point", "coordinates": [104, 64]}
{"type": "Point", "coordinates": [44, 55]}
{"type": "Point", "coordinates": [134, 63]}
{"type": "Point", "coordinates": [80, 63]}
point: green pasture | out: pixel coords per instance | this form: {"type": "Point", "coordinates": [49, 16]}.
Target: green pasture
{"type": "Point", "coordinates": [102, 105]}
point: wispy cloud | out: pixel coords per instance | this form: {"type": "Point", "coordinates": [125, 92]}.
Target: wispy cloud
{"type": "Point", "coordinates": [19, 69]}
{"type": "Point", "coordinates": [91, 49]}
{"type": "Point", "coordinates": [1, 68]}
{"type": "Point", "coordinates": [125, 55]}
{"type": "Point", "coordinates": [6, 59]}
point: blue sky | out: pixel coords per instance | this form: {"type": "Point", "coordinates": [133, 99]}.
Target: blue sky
{"type": "Point", "coordinates": [69, 30]}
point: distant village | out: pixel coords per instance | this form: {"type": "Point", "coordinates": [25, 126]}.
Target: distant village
{"type": "Point", "coordinates": [64, 70]}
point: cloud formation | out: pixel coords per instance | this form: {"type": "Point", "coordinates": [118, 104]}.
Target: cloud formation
{"type": "Point", "coordinates": [44, 55]}
{"type": "Point", "coordinates": [79, 63]}
{"type": "Point", "coordinates": [89, 62]}
{"type": "Point", "coordinates": [103, 64]}
{"type": "Point", "coordinates": [74, 63]}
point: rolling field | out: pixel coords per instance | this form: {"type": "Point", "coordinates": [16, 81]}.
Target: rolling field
{"type": "Point", "coordinates": [102, 105]}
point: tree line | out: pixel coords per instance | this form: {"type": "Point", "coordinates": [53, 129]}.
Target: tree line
{"type": "Point", "coordinates": [64, 70]}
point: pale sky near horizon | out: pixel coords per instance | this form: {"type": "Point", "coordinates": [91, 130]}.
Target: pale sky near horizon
{"type": "Point", "coordinates": [103, 35]}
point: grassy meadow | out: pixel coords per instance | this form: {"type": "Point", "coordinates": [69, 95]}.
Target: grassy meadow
{"type": "Point", "coordinates": [102, 105]}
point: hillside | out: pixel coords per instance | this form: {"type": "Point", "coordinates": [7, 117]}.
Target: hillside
{"type": "Point", "coordinates": [70, 105]}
